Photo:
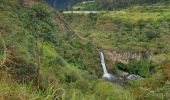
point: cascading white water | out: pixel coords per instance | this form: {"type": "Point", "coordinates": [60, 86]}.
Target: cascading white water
{"type": "Point", "coordinates": [105, 72]}
{"type": "Point", "coordinates": [112, 77]}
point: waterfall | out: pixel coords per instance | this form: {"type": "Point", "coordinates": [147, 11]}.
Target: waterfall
{"type": "Point", "coordinates": [106, 75]}
{"type": "Point", "coordinates": [114, 77]}
{"type": "Point", "coordinates": [105, 72]}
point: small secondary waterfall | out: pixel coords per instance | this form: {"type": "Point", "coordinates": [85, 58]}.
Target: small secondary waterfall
{"type": "Point", "coordinates": [105, 72]}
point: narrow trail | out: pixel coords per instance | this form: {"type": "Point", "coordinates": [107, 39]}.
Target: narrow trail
{"type": "Point", "coordinates": [62, 22]}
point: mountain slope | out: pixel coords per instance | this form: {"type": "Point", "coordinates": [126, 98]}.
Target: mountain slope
{"type": "Point", "coordinates": [37, 24]}
{"type": "Point", "coordinates": [126, 32]}
{"type": "Point", "coordinates": [38, 54]}
{"type": "Point", "coordinates": [40, 58]}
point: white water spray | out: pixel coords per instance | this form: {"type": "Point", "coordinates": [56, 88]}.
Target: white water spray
{"type": "Point", "coordinates": [105, 72]}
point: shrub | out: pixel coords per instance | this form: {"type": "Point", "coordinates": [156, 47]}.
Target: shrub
{"type": "Point", "coordinates": [82, 84]}
{"type": "Point", "coordinates": [109, 91]}
{"type": "Point", "coordinates": [140, 67]}
{"type": "Point", "coordinates": [69, 74]}
{"type": "Point", "coordinates": [93, 18]}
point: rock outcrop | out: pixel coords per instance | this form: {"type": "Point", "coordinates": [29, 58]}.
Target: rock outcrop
{"type": "Point", "coordinates": [124, 57]}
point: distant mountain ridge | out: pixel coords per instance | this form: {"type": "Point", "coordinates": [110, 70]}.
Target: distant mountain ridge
{"type": "Point", "coordinates": [62, 4]}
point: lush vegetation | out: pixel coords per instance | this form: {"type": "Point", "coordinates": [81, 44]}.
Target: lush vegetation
{"type": "Point", "coordinates": [40, 59]}
{"type": "Point", "coordinates": [114, 4]}
{"type": "Point", "coordinates": [141, 67]}
{"type": "Point", "coordinates": [38, 54]}
{"type": "Point", "coordinates": [139, 28]}
{"type": "Point", "coordinates": [144, 29]}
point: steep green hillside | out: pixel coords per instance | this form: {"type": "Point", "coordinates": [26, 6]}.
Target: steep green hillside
{"type": "Point", "coordinates": [28, 31]}
{"type": "Point", "coordinates": [36, 53]}
{"type": "Point", "coordinates": [134, 28]}
{"type": "Point", "coordinates": [40, 59]}
{"type": "Point", "coordinates": [137, 28]}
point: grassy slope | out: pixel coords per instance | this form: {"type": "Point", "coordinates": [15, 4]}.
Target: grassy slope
{"type": "Point", "coordinates": [102, 27]}
{"type": "Point", "coordinates": [128, 29]}
{"type": "Point", "coordinates": [68, 64]}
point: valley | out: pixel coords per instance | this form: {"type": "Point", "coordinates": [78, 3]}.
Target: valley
{"type": "Point", "coordinates": [72, 50]}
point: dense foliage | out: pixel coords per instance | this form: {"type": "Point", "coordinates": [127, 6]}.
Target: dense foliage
{"type": "Point", "coordinates": [114, 4]}
{"type": "Point", "coordinates": [139, 28]}
{"type": "Point", "coordinates": [118, 4]}
{"type": "Point", "coordinates": [40, 59]}
{"type": "Point", "coordinates": [36, 53]}
{"type": "Point", "coordinates": [141, 67]}
{"type": "Point", "coordinates": [121, 30]}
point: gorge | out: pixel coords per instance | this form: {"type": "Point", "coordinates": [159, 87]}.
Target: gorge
{"type": "Point", "coordinates": [120, 51]}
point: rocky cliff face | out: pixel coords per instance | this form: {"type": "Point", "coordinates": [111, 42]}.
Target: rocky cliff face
{"type": "Point", "coordinates": [124, 57]}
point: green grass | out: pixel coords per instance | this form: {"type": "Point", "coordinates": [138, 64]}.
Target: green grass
{"type": "Point", "coordinates": [134, 16]}
{"type": "Point", "coordinates": [69, 66]}
{"type": "Point", "coordinates": [107, 24]}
